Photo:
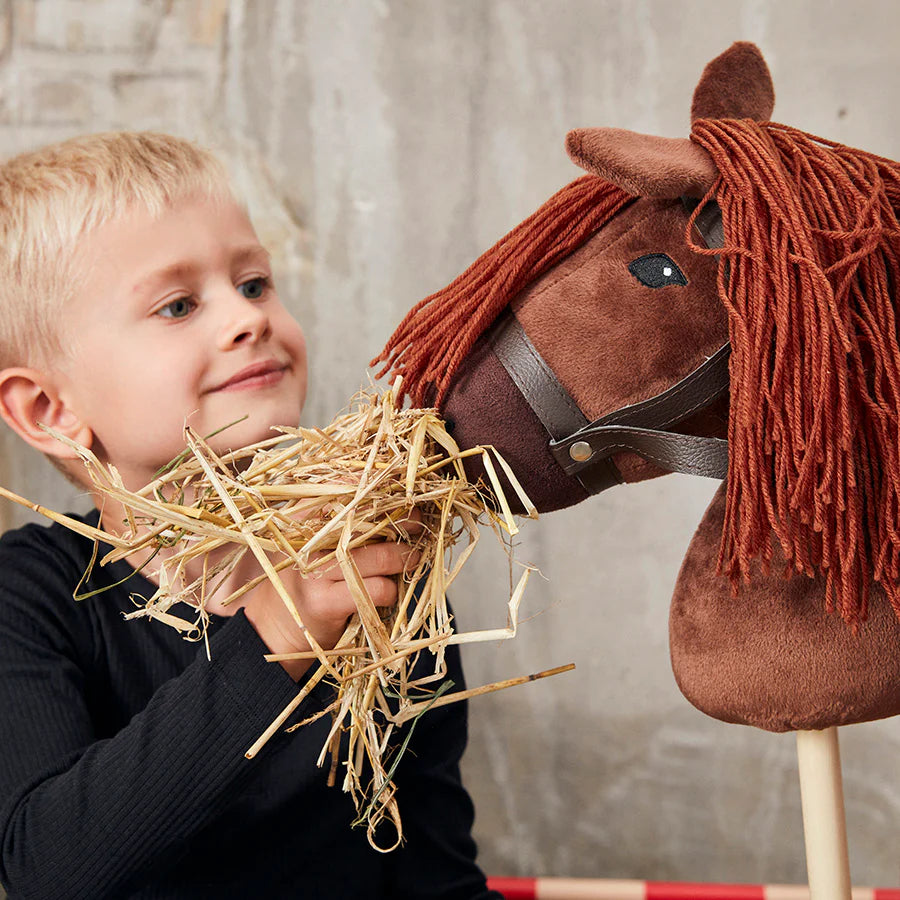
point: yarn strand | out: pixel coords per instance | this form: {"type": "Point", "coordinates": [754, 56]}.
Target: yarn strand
{"type": "Point", "coordinates": [812, 251]}
{"type": "Point", "coordinates": [438, 333]}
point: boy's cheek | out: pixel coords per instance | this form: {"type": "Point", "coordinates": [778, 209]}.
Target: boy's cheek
{"type": "Point", "coordinates": [300, 347]}
{"type": "Point", "coordinates": [291, 333]}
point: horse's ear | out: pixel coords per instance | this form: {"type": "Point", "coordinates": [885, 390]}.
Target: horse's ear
{"type": "Point", "coordinates": [735, 85]}
{"type": "Point", "coordinates": [647, 166]}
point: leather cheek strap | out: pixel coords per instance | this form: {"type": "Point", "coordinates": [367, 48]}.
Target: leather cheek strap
{"type": "Point", "coordinates": [548, 399]}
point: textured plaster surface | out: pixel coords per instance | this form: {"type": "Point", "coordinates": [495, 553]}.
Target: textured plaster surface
{"type": "Point", "coordinates": [383, 145]}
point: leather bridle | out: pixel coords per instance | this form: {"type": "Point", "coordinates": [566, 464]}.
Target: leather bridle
{"type": "Point", "coordinates": [584, 449]}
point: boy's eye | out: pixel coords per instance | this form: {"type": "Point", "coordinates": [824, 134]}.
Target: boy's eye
{"type": "Point", "coordinates": [177, 309]}
{"type": "Point", "coordinates": [254, 288]}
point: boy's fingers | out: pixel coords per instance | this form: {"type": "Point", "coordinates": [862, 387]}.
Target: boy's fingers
{"type": "Point", "coordinates": [382, 590]}
{"type": "Point", "coordinates": [386, 558]}
{"type": "Point", "coordinates": [412, 524]}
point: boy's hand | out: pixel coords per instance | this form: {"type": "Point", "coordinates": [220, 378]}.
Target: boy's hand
{"type": "Point", "coordinates": [323, 601]}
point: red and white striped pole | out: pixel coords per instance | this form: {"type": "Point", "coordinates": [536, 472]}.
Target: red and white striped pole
{"type": "Point", "coordinates": [610, 889]}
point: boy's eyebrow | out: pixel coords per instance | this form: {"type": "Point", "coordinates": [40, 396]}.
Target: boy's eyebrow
{"type": "Point", "coordinates": [250, 253]}
{"type": "Point", "coordinates": [182, 269]}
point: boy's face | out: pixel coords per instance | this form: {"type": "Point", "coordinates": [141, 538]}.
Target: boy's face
{"type": "Point", "coordinates": [176, 321]}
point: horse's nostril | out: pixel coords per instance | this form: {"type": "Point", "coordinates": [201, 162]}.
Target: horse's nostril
{"type": "Point", "coordinates": [450, 425]}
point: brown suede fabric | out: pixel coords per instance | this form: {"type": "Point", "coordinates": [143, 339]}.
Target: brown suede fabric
{"type": "Point", "coordinates": [735, 85]}
{"type": "Point", "coordinates": [772, 657]}
{"type": "Point", "coordinates": [644, 165]}
{"type": "Point", "coordinates": [582, 317]}
{"type": "Point", "coordinates": [593, 296]}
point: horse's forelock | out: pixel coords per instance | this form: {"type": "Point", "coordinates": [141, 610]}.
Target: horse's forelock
{"type": "Point", "coordinates": [437, 334]}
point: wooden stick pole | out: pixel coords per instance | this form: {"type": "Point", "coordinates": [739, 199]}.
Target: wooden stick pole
{"type": "Point", "coordinates": [824, 827]}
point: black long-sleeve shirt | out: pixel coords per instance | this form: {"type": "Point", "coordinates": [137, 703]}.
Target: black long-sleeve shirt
{"type": "Point", "coordinates": [122, 768]}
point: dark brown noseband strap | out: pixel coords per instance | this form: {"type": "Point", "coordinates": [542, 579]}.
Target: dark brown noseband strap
{"type": "Point", "coordinates": [548, 399]}
{"type": "Point", "coordinates": [584, 449]}
{"type": "Point", "coordinates": [641, 428]}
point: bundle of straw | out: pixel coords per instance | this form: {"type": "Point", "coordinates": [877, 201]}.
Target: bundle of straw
{"type": "Point", "coordinates": [305, 498]}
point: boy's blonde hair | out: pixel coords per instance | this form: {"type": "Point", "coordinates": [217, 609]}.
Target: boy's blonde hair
{"type": "Point", "coordinates": [52, 197]}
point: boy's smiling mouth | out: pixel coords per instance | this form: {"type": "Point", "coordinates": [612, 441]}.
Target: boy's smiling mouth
{"type": "Point", "coordinates": [262, 374]}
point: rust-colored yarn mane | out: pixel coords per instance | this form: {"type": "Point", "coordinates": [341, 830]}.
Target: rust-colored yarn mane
{"type": "Point", "coordinates": [437, 334]}
{"type": "Point", "coordinates": [809, 266]}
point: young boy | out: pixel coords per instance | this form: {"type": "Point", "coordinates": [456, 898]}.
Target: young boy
{"type": "Point", "coordinates": [136, 297]}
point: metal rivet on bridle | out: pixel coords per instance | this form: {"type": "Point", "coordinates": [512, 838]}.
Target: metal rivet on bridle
{"type": "Point", "coordinates": [581, 451]}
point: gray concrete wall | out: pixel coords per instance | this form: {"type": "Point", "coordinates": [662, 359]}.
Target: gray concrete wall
{"type": "Point", "coordinates": [382, 146]}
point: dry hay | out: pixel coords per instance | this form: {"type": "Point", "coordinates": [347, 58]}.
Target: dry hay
{"type": "Point", "coordinates": [306, 498]}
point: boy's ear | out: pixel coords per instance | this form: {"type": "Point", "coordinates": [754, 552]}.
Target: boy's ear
{"type": "Point", "coordinates": [30, 398]}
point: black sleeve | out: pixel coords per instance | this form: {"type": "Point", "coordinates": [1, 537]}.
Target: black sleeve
{"type": "Point", "coordinates": [437, 860]}
{"type": "Point", "coordinates": [99, 815]}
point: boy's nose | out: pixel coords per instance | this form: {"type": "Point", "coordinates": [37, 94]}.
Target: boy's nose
{"type": "Point", "coordinates": [246, 322]}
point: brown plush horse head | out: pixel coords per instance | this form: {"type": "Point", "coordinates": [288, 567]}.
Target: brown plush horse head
{"type": "Point", "coordinates": [738, 283]}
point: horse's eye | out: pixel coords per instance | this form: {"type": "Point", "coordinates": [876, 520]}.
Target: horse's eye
{"type": "Point", "coordinates": [656, 270]}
